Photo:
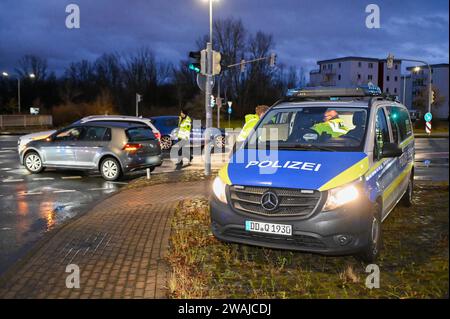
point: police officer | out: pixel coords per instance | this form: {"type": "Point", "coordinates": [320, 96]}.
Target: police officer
{"type": "Point", "coordinates": [331, 125]}
{"type": "Point", "coordinates": [184, 134]}
{"type": "Point", "coordinates": [250, 122]}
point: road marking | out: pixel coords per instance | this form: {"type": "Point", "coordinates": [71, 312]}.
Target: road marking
{"type": "Point", "coordinates": [100, 189]}
{"type": "Point", "coordinates": [6, 169]}
{"type": "Point", "coordinates": [43, 178]}
{"type": "Point", "coordinates": [65, 191]}
{"type": "Point", "coordinates": [71, 177]}
{"type": "Point", "coordinates": [29, 193]}
{"type": "Point", "coordinates": [121, 183]}
{"type": "Point", "coordinates": [13, 180]}
{"type": "Point", "coordinates": [9, 148]}
{"type": "Point", "coordinates": [6, 151]}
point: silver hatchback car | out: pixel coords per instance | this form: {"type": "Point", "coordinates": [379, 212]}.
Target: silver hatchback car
{"type": "Point", "coordinates": [113, 148]}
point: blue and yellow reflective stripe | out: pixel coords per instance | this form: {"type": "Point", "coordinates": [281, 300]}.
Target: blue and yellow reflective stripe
{"type": "Point", "coordinates": [347, 176]}
{"type": "Point", "coordinates": [223, 174]}
{"type": "Point", "coordinates": [388, 191]}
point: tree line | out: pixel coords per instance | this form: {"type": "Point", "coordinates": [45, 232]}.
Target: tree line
{"type": "Point", "coordinates": [110, 83]}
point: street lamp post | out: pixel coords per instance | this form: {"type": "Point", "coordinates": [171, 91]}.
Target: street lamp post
{"type": "Point", "coordinates": [31, 76]}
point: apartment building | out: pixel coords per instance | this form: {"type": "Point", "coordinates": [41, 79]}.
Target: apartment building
{"type": "Point", "coordinates": [417, 82]}
{"type": "Point", "coordinates": [351, 71]}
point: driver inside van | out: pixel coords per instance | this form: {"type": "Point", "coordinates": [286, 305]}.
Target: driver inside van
{"type": "Point", "coordinates": [331, 125]}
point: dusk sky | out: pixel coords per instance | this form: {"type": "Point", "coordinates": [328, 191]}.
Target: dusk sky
{"type": "Point", "coordinates": [304, 31]}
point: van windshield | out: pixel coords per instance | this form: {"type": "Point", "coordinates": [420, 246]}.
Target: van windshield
{"type": "Point", "coordinates": [311, 128]}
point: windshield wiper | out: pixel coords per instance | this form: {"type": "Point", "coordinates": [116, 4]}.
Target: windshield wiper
{"type": "Point", "coordinates": [306, 147]}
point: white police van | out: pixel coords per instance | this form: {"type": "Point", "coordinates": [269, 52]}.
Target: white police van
{"type": "Point", "coordinates": [320, 173]}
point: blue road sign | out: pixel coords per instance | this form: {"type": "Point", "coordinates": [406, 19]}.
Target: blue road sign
{"type": "Point", "coordinates": [428, 117]}
{"type": "Point", "coordinates": [230, 110]}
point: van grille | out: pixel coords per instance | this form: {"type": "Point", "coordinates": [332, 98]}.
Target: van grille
{"type": "Point", "coordinates": [292, 202]}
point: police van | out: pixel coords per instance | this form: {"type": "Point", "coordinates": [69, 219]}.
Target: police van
{"type": "Point", "coordinates": [321, 171]}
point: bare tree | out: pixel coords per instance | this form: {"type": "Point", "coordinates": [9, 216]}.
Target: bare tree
{"type": "Point", "coordinates": [32, 64]}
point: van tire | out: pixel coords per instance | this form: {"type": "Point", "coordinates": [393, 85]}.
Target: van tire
{"type": "Point", "coordinates": [375, 237]}
{"type": "Point", "coordinates": [407, 199]}
{"type": "Point", "coordinates": [110, 169]}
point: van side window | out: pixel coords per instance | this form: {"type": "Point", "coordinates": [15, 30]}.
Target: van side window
{"type": "Point", "coordinates": [94, 133]}
{"type": "Point", "coordinates": [400, 118]}
{"type": "Point", "coordinates": [381, 132]}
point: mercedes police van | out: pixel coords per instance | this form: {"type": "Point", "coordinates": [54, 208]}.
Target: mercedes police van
{"type": "Point", "coordinates": [320, 173]}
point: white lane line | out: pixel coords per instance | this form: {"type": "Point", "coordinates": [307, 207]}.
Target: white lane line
{"type": "Point", "coordinates": [121, 183]}
{"type": "Point", "coordinates": [6, 151]}
{"type": "Point", "coordinates": [99, 189]}
{"type": "Point", "coordinates": [13, 180]}
{"type": "Point", "coordinates": [43, 179]}
{"type": "Point", "coordinates": [6, 169]}
{"type": "Point", "coordinates": [64, 191]}
{"type": "Point", "coordinates": [71, 177]}
{"type": "Point", "coordinates": [29, 193]}
{"type": "Point", "coordinates": [9, 148]}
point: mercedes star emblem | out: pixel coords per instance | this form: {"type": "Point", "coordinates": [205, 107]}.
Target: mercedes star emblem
{"type": "Point", "coordinates": [269, 201]}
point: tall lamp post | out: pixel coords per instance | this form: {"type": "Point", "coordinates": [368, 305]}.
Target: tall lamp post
{"type": "Point", "coordinates": [208, 90]}
{"type": "Point", "coordinates": [31, 76]}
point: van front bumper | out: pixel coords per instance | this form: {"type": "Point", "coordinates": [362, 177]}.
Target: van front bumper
{"type": "Point", "coordinates": [340, 232]}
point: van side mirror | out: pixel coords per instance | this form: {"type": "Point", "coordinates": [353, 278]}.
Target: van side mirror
{"type": "Point", "coordinates": [391, 150]}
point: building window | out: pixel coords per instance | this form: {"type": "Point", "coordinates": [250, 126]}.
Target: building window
{"type": "Point", "coordinates": [359, 64]}
{"type": "Point", "coordinates": [396, 66]}
{"type": "Point", "coordinates": [387, 90]}
{"type": "Point", "coordinates": [396, 78]}
{"type": "Point", "coordinates": [370, 65]}
{"type": "Point", "coordinates": [340, 64]}
{"type": "Point", "coordinates": [324, 67]}
{"type": "Point", "coordinates": [359, 76]}
{"type": "Point", "coordinates": [370, 77]}
{"type": "Point", "coordinates": [388, 78]}
{"type": "Point", "coordinates": [395, 90]}
{"type": "Point", "coordinates": [339, 77]}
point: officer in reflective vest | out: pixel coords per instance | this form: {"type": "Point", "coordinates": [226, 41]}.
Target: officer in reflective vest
{"type": "Point", "coordinates": [183, 135]}
{"type": "Point", "coordinates": [250, 122]}
{"type": "Point", "coordinates": [331, 125]}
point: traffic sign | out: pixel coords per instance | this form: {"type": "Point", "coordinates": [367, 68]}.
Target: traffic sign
{"type": "Point", "coordinates": [428, 127]}
{"type": "Point", "coordinates": [428, 117]}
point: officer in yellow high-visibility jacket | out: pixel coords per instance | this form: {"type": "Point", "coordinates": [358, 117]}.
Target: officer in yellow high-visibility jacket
{"type": "Point", "coordinates": [250, 122]}
{"type": "Point", "coordinates": [183, 135]}
{"type": "Point", "coordinates": [331, 125]}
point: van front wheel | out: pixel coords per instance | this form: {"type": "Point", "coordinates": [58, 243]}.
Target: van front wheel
{"type": "Point", "coordinates": [372, 250]}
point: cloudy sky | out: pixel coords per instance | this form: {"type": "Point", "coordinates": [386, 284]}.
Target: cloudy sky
{"type": "Point", "coordinates": [304, 30]}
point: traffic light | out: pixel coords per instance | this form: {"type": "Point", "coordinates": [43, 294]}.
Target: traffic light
{"type": "Point", "coordinates": [433, 96]}
{"type": "Point", "coordinates": [216, 66]}
{"type": "Point", "coordinates": [273, 59]}
{"type": "Point", "coordinates": [198, 63]}
{"type": "Point", "coordinates": [213, 101]}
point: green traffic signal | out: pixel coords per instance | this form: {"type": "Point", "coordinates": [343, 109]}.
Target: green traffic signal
{"type": "Point", "coordinates": [194, 67]}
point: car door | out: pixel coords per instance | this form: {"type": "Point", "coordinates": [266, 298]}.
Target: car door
{"type": "Point", "coordinates": [90, 147]}
{"type": "Point", "coordinates": [60, 149]}
{"type": "Point", "coordinates": [386, 173]}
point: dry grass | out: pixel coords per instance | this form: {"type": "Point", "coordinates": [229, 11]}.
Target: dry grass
{"type": "Point", "coordinates": [413, 264]}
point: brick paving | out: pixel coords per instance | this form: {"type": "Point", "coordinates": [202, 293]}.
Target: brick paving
{"type": "Point", "coordinates": [119, 247]}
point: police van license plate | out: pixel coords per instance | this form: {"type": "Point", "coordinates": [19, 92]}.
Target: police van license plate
{"type": "Point", "coordinates": [268, 228]}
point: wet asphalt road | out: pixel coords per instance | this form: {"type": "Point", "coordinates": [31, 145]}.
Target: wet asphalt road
{"type": "Point", "coordinates": [31, 205]}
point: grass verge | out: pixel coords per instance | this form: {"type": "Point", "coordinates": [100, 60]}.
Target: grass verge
{"type": "Point", "coordinates": [413, 263]}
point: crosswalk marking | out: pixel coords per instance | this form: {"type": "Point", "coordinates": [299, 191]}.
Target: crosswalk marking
{"type": "Point", "coordinates": [64, 191]}
{"type": "Point", "coordinates": [71, 177]}
{"type": "Point", "coordinates": [13, 180]}
{"type": "Point", "coordinates": [43, 179]}
{"type": "Point", "coordinates": [29, 193]}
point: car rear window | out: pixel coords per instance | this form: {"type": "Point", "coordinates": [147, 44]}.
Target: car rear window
{"type": "Point", "coordinates": [136, 134]}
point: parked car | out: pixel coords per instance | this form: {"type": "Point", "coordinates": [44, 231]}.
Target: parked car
{"type": "Point", "coordinates": [168, 126]}
{"type": "Point", "coordinates": [25, 139]}
{"type": "Point", "coordinates": [111, 147]}
{"type": "Point", "coordinates": [340, 162]}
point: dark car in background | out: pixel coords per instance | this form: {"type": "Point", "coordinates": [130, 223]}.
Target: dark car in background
{"type": "Point", "coordinates": [168, 127]}
{"type": "Point", "coordinates": [111, 147]}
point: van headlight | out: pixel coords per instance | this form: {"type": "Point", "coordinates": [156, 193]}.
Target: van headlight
{"type": "Point", "coordinates": [219, 189]}
{"type": "Point", "coordinates": [340, 196]}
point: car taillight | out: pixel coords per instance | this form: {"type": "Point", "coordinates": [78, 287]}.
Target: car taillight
{"type": "Point", "coordinates": [132, 147]}
{"type": "Point", "coordinates": [157, 135]}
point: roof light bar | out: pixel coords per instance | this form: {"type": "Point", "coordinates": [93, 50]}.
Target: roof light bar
{"type": "Point", "coordinates": [327, 92]}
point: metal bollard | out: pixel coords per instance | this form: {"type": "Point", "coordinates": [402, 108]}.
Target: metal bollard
{"type": "Point", "coordinates": [148, 173]}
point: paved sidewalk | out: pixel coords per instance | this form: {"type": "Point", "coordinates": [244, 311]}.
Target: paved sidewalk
{"type": "Point", "coordinates": [119, 247]}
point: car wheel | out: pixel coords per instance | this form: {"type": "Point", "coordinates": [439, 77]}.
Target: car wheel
{"type": "Point", "coordinates": [372, 250]}
{"type": "Point", "coordinates": [219, 142]}
{"type": "Point", "coordinates": [110, 169]}
{"type": "Point", "coordinates": [166, 142]}
{"type": "Point", "coordinates": [408, 196]}
{"type": "Point", "coordinates": [33, 163]}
